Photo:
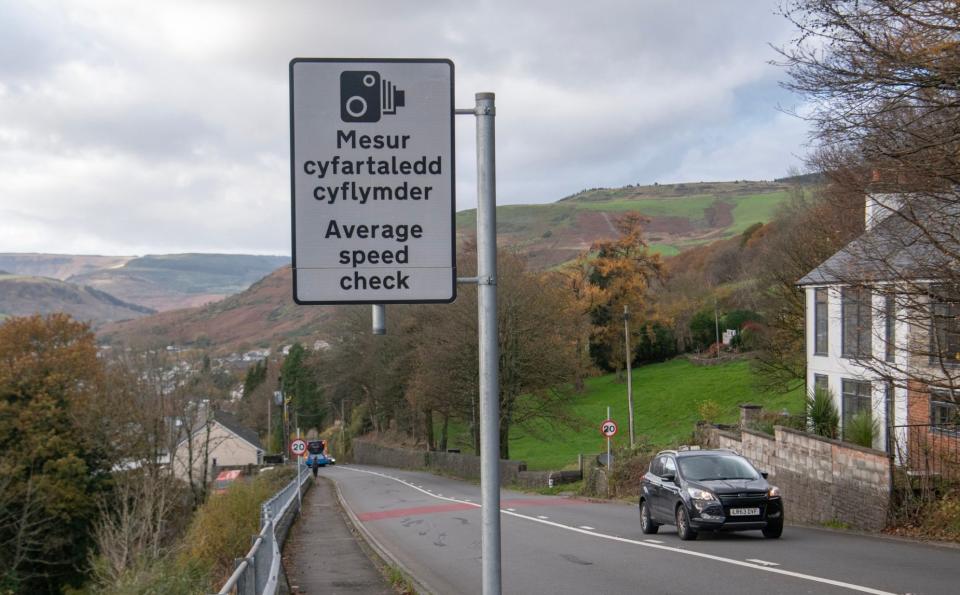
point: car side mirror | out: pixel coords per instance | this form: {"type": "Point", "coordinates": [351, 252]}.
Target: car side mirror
{"type": "Point", "coordinates": [670, 477]}
{"type": "Point", "coordinates": [764, 474]}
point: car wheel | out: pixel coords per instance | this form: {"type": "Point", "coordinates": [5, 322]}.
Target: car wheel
{"type": "Point", "coordinates": [684, 530]}
{"type": "Point", "coordinates": [774, 529]}
{"type": "Point", "coordinates": [647, 526]}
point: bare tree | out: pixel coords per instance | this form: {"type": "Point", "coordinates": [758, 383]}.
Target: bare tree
{"type": "Point", "coordinates": [883, 77]}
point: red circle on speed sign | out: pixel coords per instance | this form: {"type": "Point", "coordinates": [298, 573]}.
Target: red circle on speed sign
{"type": "Point", "coordinates": [298, 447]}
{"type": "Point", "coordinates": [608, 428]}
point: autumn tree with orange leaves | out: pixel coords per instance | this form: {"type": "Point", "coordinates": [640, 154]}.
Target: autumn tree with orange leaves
{"type": "Point", "coordinates": [614, 273]}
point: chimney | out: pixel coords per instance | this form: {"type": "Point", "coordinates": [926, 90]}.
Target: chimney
{"type": "Point", "coordinates": [878, 207]}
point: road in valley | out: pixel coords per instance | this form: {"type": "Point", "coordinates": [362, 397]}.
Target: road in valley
{"type": "Point", "coordinates": [558, 545]}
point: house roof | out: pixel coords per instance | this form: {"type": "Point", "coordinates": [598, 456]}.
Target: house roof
{"type": "Point", "coordinates": [895, 248]}
{"type": "Point", "coordinates": [229, 421]}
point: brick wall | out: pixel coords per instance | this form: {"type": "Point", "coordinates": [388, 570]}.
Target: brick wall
{"type": "Point", "coordinates": [820, 479]}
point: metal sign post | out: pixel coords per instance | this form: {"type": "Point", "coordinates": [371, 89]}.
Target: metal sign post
{"type": "Point", "coordinates": [486, 280]}
{"type": "Point", "coordinates": [609, 429]}
{"type": "Point", "coordinates": [297, 448]}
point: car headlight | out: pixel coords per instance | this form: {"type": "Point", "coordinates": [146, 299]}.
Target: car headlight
{"type": "Point", "coordinates": [698, 494]}
{"type": "Point", "coordinates": [773, 492]}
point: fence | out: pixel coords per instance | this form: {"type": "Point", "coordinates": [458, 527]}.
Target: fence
{"type": "Point", "coordinates": [258, 573]}
{"type": "Point", "coordinates": [930, 452]}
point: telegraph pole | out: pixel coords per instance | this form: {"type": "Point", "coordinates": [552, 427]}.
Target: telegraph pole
{"type": "Point", "coordinates": [626, 338]}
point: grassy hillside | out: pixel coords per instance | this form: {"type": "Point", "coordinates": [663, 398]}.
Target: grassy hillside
{"type": "Point", "coordinates": [681, 216]}
{"type": "Point", "coordinates": [665, 396]}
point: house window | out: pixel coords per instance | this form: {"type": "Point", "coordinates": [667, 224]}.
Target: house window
{"type": "Point", "coordinates": [856, 336]}
{"type": "Point", "coordinates": [945, 411]}
{"type": "Point", "coordinates": [945, 333]}
{"type": "Point", "coordinates": [890, 334]}
{"type": "Point", "coordinates": [820, 321]}
{"type": "Point", "coordinates": [889, 397]}
{"type": "Point", "coordinates": [856, 399]}
{"type": "Point", "coordinates": [821, 382]}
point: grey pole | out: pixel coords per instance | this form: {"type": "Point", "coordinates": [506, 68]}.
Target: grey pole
{"type": "Point", "coordinates": [626, 337]}
{"type": "Point", "coordinates": [609, 459]}
{"type": "Point", "coordinates": [489, 350]}
{"type": "Point", "coordinates": [379, 319]}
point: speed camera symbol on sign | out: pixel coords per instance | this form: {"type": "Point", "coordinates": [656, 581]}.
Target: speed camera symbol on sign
{"type": "Point", "coordinates": [608, 428]}
{"type": "Point", "coordinates": [364, 96]}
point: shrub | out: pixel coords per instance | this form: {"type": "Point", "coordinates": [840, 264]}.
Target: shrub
{"type": "Point", "coordinates": [766, 421]}
{"type": "Point", "coordinates": [708, 410]}
{"type": "Point", "coordinates": [822, 413]}
{"type": "Point", "coordinates": [861, 429]}
{"type": "Point", "coordinates": [222, 528]}
{"type": "Point", "coordinates": [628, 467]}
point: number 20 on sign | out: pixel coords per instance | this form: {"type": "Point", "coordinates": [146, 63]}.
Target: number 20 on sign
{"type": "Point", "coordinates": [298, 447]}
{"type": "Point", "coordinates": [608, 428]}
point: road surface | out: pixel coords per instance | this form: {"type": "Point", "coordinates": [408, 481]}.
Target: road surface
{"type": "Point", "coordinates": [558, 545]}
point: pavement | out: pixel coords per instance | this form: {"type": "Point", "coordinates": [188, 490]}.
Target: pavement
{"type": "Point", "coordinates": [324, 555]}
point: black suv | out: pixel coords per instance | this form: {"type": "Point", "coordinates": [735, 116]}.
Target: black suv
{"type": "Point", "coordinates": [710, 490]}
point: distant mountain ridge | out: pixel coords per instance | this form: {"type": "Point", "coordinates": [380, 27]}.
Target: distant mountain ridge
{"type": "Point", "coordinates": [261, 316]}
{"type": "Point", "coordinates": [22, 295]}
{"type": "Point", "coordinates": [156, 282]}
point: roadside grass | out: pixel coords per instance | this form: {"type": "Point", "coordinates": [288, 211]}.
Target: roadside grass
{"type": "Point", "coordinates": [399, 581]}
{"type": "Point", "coordinates": [666, 399]}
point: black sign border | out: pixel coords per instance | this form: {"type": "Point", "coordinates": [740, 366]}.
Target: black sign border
{"type": "Point", "coordinates": [453, 183]}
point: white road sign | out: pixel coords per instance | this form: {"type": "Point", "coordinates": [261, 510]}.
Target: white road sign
{"type": "Point", "coordinates": [371, 146]}
{"type": "Point", "coordinates": [608, 428]}
{"type": "Point", "coordinates": [298, 447]}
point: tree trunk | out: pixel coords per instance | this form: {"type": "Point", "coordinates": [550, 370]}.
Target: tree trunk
{"type": "Point", "coordinates": [428, 427]}
{"type": "Point", "coordinates": [504, 438]}
{"type": "Point", "coordinates": [444, 433]}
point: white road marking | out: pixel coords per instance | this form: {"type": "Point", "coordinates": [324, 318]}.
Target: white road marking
{"type": "Point", "coordinates": [540, 516]}
{"type": "Point", "coordinates": [762, 562]}
{"type": "Point", "coordinates": [652, 544]}
{"type": "Point", "coordinates": [587, 527]}
{"type": "Point", "coordinates": [512, 509]}
{"type": "Point", "coordinates": [653, 541]}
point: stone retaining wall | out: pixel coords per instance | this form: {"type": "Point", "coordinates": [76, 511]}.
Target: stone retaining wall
{"type": "Point", "coordinates": [822, 480]}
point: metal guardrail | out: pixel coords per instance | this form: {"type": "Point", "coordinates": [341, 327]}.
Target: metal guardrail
{"type": "Point", "coordinates": [258, 573]}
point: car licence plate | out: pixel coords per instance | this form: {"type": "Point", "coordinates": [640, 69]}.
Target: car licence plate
{"type": "Point", "coordinates": [744, 512]}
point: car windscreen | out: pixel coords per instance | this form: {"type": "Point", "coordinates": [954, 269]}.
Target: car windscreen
{"type": "Point", "coordinates": [708, 468]}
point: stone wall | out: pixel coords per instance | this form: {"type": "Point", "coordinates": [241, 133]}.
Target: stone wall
{"type": "Point", "coordinates": [822, 480]}
{"type": "Point", "coordinates": [459, 465]}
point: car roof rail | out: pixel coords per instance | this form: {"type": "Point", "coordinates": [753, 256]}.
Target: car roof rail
{"type": "Point", "coordinates": [668, 451]}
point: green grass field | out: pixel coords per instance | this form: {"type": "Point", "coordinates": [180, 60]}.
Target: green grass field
{"type": "Point", "coordinates": [665, 406]}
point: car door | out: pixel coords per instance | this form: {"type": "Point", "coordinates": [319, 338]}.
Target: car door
{"type": "Point", "coordinates": [655, 490]}
{"type": "Point", "coordinates": [669, 490]}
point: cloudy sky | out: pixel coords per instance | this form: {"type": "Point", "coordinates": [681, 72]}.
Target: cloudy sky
{"type": "Point", "coordinates": [133, 127]}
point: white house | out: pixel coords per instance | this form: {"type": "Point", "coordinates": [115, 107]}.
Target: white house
{"type": "Point", "coordinates": [867, 343]}
{"type": "Point", "coordinates": [222, 442]}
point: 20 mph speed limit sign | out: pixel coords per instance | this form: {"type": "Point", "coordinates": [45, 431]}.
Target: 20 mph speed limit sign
{"type": "Point", "coordinates": [608, 428]}
{"type": "Point", "coordinates": [298, 447]}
